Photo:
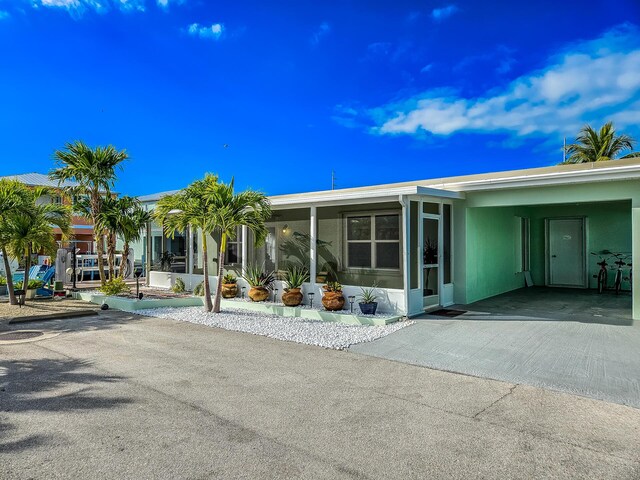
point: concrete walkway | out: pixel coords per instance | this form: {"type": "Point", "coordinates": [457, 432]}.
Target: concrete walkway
{"type": "Point", "coordinates": [119, 396]}
{"type": "Point", "coordinates": [572, 341]}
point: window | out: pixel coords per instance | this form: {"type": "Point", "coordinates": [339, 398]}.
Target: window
{"type": "Point", "coordinates": [233, 255]}
{"type": "Point", "coordinates": [56, 199]}
{"type": "Point", "coordinates": [373, 241]}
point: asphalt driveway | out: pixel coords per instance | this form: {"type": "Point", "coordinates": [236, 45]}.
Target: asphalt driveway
{"type": "Point", "coordinates": [568, 340]}
{"type": "Point", "coordinates": [119, 396]}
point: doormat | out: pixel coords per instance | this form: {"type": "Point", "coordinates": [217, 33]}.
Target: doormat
{"type": "Point", "coordinates": [445, 312]}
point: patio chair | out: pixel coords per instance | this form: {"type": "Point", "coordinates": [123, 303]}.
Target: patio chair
{"type": "Point", "coordinates": [46, 278]}
{"type": "Point", "coordinates": [33, 272]}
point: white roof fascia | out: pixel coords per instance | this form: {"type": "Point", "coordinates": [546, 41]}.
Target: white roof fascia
{"type": "Point", "coordinates": [361, 196]}
{"type": "Point", "coordinates": [629, 172]}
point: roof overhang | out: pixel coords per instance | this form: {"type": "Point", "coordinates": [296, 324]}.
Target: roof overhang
{"type": "Point", "coordinates": [338, 197]}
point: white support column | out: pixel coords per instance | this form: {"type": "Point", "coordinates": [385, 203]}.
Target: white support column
{"type": "Point", "coordinates": [245, 249]}
{"type": "Point", "coordinates": [148, 256]}
{"type": "Point", "coordinates": [635, 254]}
{"type": "Point", "coordinates": [405, 250]}
{"type": "Point", "coordinates": [313, 240]}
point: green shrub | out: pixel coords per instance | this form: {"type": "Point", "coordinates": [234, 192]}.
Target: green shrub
{"type": "Point", "coordinates": [3, 281]}
{"type": "Point", "coordinates": [33, 284]}
{"type": "Point", "coordinates": [199, 290]}
{"type": "Point", "coordinates": [115, 286]}
{"type": "Point", "coordinates": [178, 287]}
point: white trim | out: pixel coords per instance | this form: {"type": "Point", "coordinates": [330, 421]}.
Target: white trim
{"type": "Point", "coordinates": [337, 197]}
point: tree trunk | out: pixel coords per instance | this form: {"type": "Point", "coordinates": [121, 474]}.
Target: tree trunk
{"type": "Point", "coordinates": [27, 267]}
{"type": "Point", "coordinates": [111, 255]}
{"type": "Point", "coordinates": [124, 264]}
{"type": "Point", "coordinates": [207, 288]}
{"type": "Point", "coordinates": [98, 236]}
{"type": "Point", "coordinates": [7, 268]}
{"type": "Point", "coordinates": [223, 249]}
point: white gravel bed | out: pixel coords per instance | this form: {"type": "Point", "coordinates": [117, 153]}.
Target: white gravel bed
{"type": "Point", "coordinates": [293, 329]}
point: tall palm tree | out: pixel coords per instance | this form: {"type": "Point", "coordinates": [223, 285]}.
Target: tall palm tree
{"type": "Point", "coordinates": [599, 146]}
{"type": "Point", "coordinates": [94, 171]}
{"type": "Point", "coordinates": [14, 201]}
{"type": "Point", "coordinates": [213, 207]}
{"type": "Point", "coordinates": [109, 221]}
{"type": "Point", "coordinates": [33, 232]}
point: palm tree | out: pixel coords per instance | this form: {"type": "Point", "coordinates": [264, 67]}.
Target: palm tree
{"type": "Point", "coordinates": [133, 222]}
{"type": "Point", "coordinates": [14, 201]}
{"type": "Point", "coordinates": [94, 170]}
{"type": "Point", "coordinates": [33, 231]}
{"type": "Point", "coordinates": [213, 207]}
{"type": "Point", "coordinates": [599, 146]}
{"type": "Point", "coordinates": [108, 221]}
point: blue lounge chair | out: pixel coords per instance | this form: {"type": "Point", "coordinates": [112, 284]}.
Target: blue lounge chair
{"type": "Point", "coordinates": [33, 272]}
{"type": "Point", "coordinates": [46, 277]}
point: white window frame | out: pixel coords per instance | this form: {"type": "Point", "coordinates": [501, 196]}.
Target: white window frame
{"type": "Point", "coordinates": [238, 240]}
{"type": "Point", "coordinates": [372, 241]}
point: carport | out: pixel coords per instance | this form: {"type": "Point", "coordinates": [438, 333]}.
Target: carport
{"type": "Point", "coordinates": [543, 234]}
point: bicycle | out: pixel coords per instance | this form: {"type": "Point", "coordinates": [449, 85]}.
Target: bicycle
{"type": "Point", "coordinates": [617, 282]}
{"type": "Point", "coordinates": [603, 273]}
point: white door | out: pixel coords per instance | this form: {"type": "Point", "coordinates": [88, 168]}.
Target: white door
{"type": "Point", "coordinates": [431, 262]}
{"type": "Point", "coordinates": [566, 252]}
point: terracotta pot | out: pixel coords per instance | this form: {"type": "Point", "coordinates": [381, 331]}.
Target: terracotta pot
{"type": "Point", "coordinates": [258, 294]}
{"type": "Point", "coordinates": [333, 301]}
{"type": "Point", "coordinates": [292, 297]}
{"type": "Point", "coordinates": [229, 290]}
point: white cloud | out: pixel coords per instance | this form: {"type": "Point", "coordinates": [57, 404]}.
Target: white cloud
{"type": "Point", "coordinates": [213, 32]}
{"type": "Point", "coordinates": [165, 3]}
{"type": "Point", "coordinates": [439, 14]}
{"type": "Point", "coordinates": [77, 8]}
{"type": "Point", "coordinates": [322, 31]}
{"type": "Point", "coordinates": [589, 82]}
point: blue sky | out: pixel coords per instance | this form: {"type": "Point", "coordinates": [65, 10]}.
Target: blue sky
{"type": "Point", "coordinates": [378, 91]}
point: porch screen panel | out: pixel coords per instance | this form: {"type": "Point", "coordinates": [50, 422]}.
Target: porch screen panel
{"type": "Point", "coordinates": [413, 245]}
{"type": "Point", "coordinates": [446, 240]}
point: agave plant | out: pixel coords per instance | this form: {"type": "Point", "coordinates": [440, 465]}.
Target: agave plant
{"type": "Point", "coordinates": [332, 287]}
{"type": "Point", "coordinates": [229, 278]}
{"type": "Point", "coordinates": [257, 277]}
{"type": "Point", "coordinates": [367, 295]}
{"type": "Point", "coordinates": [295, 276]}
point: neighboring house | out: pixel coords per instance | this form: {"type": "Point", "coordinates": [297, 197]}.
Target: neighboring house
{"type": "Point", "coordinates": [436, 242]}
{"type": "Point", "coordinates": [82, 228]}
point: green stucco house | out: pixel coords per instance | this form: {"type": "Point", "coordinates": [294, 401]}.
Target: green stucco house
{"type": "Point", "coordinates": [436, 242]}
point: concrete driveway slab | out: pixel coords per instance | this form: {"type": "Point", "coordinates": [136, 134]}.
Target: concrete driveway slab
{"type": "Point", "coordinates": [121, 397]}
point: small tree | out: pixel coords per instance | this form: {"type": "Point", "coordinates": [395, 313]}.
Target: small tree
{"type": "Point", "coordinates": [94, 170]}
{"type": "Point", "coordinates": [29, 233]}
{"type": "Point", "coordinates": [14, 201]}
{"type": "Point", "coordinates": [599, 146]}
{"type": "Point", "coordinates": [214, 208]}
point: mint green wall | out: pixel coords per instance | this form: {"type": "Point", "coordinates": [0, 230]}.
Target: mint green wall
{"type": "Point", "coordinates": [490, 252]}
{"type": "Point", "coordinates": [491, 237]}
{"type": "Point", "coordinates": [608, 228]}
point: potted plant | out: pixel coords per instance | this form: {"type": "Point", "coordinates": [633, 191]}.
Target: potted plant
{"type": "Point", "coordinates": [32, 286]}
{"type": "Point", "coordinates": [260, 282]}
{"type": "Point", "coordinates": [229, 286]}
{"type": "Point", "coordinates": [368, 304]}
{"type": "Point", "coordinates": [294, 277]}
{"type": "Point", "coordinates": [3, 285]}
{"type": "Point", "coordinates": [332, 298]}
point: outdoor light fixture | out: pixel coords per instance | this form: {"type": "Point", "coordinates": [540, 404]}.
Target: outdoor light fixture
{"type": "Point", "coordinates": [310, 295]}
{"type": "Point", "coordinates": [285, 228]}
{"type": "Point", "coordinates": [243, 288]}
{"type": "Point", "coordinates": [352, 299]}
{"type": "Point", "coordinates": [275, 295]}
